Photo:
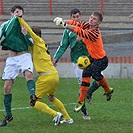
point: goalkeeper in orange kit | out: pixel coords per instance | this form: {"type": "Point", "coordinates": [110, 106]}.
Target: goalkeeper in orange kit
{"type": "Point", "coordinates": [48, 77]}
{"type": "Point", "coordinates": [92, 38]}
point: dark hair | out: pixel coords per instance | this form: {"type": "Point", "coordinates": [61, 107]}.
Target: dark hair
{"type": "Point", "coordinates": [75, 11]}
{"type": "Point", "coordinates": [15, 7]}
{"type": "Point", "coordinates": [99, 14]}
{"type": "Point", "coordinates": [36, 30]}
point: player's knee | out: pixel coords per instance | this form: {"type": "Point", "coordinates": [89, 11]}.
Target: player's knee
{"type": "Point", "coordinates": [51, 98]}
{"type": "Point", "coordinates": [7, 91]}
{"type": "Point", "coordinates": [28, 75]}
{"type": "Point", "coordinates": [7, 87]}
{"type": "Point", "coordinates": [85, 84]}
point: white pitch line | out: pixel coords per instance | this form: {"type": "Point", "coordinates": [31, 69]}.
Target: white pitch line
{"type": "Point", "coordinates": [31, 107]}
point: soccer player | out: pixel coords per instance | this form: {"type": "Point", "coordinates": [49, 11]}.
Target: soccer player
{"type": "Point", "coordinates": [48, 79]}
{"type": "Point", "coordinates": [78, 48]}
{"type": "Point", "coordinates": [91, 36]}
{"type": "Point", "coordinates": [19, 59]}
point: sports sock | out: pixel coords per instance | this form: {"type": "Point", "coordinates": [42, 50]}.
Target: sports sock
{"type": "Point", "coordinates": [7, 104]}
{"type": "Point", "coordinates": [104, 84]}
{"type": "Point", "coordinates": [31, 87]}
{"type": "Point", "coordinates": [45, 108]}
{"type": "Point", "coordinates": [84, 110]}
{"type": "Point", "coordinates": [83, 93]}
{"type": "Point", "coordinates": [59, 105]}
{"type": "Point", "coordinates": [94, 86]}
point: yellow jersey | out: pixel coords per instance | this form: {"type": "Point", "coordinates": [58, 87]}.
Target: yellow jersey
{"type": "Point", "coordinates": [41, 57]}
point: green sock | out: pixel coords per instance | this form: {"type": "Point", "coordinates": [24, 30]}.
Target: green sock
{"type": "Point", "coordinates": [31, 87]}
{"type": "Point", "coordinates": [7, 104]}
{"type": "Point", "coordinates": [84, 110]}
{"type": "Point", "coordinates": [94, 86]}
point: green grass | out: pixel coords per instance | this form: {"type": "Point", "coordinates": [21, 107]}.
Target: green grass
{"type": "Point", "coordinates": [113, 116]}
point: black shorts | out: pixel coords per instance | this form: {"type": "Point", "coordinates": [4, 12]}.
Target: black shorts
{"type": "Point", "coordinates": [95, 68]}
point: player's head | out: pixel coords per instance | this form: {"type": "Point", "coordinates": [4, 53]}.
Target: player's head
{"type": "Point", "coordinates": [36, 30]}
{"type": "Point", "coordinates": [95, 19]}
{"type": "Point", "coordinates": [17, 9]}
{"type": "Point", "coordinates": [75, 15]}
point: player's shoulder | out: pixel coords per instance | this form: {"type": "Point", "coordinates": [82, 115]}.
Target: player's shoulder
{"type": "Point", "coordinates": [67, 32]}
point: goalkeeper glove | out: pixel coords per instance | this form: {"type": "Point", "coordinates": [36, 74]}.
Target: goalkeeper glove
{"type": "Point", "coordinates": [60, 22]}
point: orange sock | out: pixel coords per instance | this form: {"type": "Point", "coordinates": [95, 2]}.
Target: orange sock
{"type": "Point", "coordinates": [104, 84]}
{"type": "Point", "coordinates": [83, 92]}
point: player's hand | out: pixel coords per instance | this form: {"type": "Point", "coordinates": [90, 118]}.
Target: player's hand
{"type": "Point", "coordinates": [60, 22]}
{"type": "Point", "coordinates": [54, 62]}
{"type": "Point", "coordinates": [57, 20]}
{"type": "Point", "coordinates": [24, 30]}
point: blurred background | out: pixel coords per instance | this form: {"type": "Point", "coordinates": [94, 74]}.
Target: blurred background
{"type": "Point", "coordinates": [117, 29]}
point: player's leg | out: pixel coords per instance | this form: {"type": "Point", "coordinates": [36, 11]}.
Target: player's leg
{"type": "Point", "coordinates": [78, 74]}
{"type": "Point", "coordinates": [100, 65]}
{"type": "Point", "coordinates": [83, 88]}
{"type": "Point", "coordinates": [94, 86]}
{"type": "Point", "coordinates": [59, 105]}
{"type": "Point", "coordinates": [44, 108]}
{"type": "Point", "coordinates": [30, 86]}
{"type": "Point", "coordinates": [43, 86]}
{"type": "Point", "coordinates": [107, 89]}
{"type": "Point", "coordinates": [9, 75]}
{"type": "Point", "coordinates": [27, 69]}
{"type": "Point", "coordinates": [7, 102]}
{"type": "Point", "coordinates": [55, 101]}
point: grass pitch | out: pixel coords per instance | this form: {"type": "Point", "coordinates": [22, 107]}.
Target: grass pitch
{"type": "Point", "coordinates": [113, 116]}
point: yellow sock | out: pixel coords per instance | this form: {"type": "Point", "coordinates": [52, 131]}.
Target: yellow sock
{"type": "Point", "coordinates": [59, 105]}
{"type": "Point", "coordinates": [45, 108]}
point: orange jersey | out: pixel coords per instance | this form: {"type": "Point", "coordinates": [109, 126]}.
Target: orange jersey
{"type": "Point", "coordinates": [91, 37]}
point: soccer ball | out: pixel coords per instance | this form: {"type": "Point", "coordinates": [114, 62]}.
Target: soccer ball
{"type": "Point", "coordinates": [83, 62]}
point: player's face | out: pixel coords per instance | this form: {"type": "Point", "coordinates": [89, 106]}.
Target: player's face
{"type": "Point", "coordinates": [76, 17]}
{"type": "Point", "coordinates": [94, 20]}
{"type": "Point", "coordinates": [17, 11]}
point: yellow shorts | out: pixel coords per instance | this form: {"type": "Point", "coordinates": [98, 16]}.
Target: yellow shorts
{"type": "Point", "coordinates": [46, 85]}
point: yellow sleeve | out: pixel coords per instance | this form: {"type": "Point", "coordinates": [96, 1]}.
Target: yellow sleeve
{"type": "Point", "coordinates": [37, 40]}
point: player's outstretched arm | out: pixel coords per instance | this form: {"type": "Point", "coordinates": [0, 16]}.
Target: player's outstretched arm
{"type": "Point", "coordinates": [63, 23]}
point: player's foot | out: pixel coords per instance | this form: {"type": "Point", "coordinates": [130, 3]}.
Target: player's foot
{"type": "Point", "coordinates": [89, 99]}
{"type": "Point", "coordinates": [57, 119]}
{"type": "Point", "coordinates": [33, 99]}
{"type": "Point", "coordinates": [67, 122]}
{"type": "Point", "coordinates": [78, 106]}
{"type": "Point", "coordinates": [85, 116]}
{"type": "Point", "coordinates": [109, 94]}
{"type": "Point", "coordinates": [6, 120]}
